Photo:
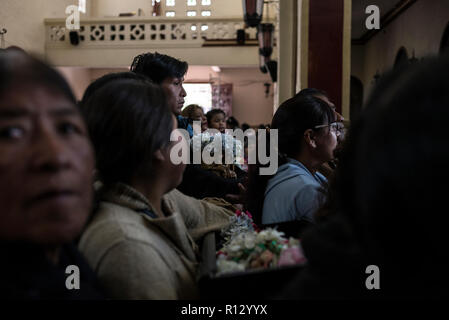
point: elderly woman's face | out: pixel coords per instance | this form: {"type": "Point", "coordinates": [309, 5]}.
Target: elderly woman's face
{"type": "Point", "coordinates": [46, 167]}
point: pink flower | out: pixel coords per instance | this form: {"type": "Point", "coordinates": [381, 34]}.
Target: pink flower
{"type": "Point", "coordinates": [256, 228]}
{"type": "Point", "coordinates": [291, 256]}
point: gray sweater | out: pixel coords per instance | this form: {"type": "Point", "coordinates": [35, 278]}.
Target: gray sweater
{"type": "Point", "coordinates": [139, 257]}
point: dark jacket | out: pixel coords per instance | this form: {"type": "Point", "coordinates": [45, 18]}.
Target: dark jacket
{"type": "Point", "coordinates": [183, 123]}
{"type": "Point", "coordinates": [28, 274]}
{"type": "Point", "coordinates": [200, 183]}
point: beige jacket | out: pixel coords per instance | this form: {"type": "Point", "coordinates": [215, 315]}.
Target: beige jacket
{"type": "Point", "coordinates": [139, 257]}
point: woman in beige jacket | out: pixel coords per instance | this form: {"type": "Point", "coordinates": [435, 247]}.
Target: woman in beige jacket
{"type": "Point", "coordinates": [141, 239]}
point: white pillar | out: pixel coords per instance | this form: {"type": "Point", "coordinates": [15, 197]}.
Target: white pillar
{"type": "Point", "coordinates": [287, 51]}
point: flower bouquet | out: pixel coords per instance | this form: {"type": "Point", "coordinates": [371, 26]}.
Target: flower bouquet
{"type": "Point", "coordinates": [241, 222]}
{"type": "Point", "coordinates": [248, 248]}
{"type": "Point", "coordinates": [249, 263]}
{"type": "Point", "coordinates": [231, 151]}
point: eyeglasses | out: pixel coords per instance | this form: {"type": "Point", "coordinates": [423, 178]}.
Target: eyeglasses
{"type": "Point", "coordinates": [336, 127]}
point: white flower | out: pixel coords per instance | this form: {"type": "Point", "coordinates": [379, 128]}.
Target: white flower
{"type": "Point", "coordinates": [229, 266]}
{"type": "Point", "coordinates": [270, 235]}
{"type": "Point", "coordinates": [238, 225]}
{"type": "Point", "coordinates": [246, 246]}
{"type": "Point", "coordinates": [235, 248]}
{"type": "Point", "coordinates": [250, 241]}
{"type": "Point", "coordinates": [231, 146]}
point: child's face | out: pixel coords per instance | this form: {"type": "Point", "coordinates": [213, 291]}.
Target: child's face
{"type": "Point", "coordinates": [218, 122]}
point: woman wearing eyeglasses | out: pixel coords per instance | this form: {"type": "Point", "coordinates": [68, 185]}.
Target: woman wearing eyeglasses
{"type": "Point", "coordinates": [307, 137]}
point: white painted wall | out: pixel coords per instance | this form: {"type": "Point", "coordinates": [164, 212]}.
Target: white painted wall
{"type": "Point", "coordinates": [218, 8]}
{"type": "Point", "coordinates": [105, 8]}
{"type": "Point", "coordinates": [249, 103]}
{"type": "Point", "coordinates": [123, 57]}
{"type": "Point", "coordinates": [24, 20]}
{"type": "Point", "coordinates": [78, 79]}
{"type": "Point", "coordinates": [200, 74]}
{"type": "Point", "coordinates": [99, 72]}
{"type": "Point", "coordinates": [101, 8]}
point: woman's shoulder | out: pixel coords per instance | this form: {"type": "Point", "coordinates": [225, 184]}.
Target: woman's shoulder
{"type": "Point", "coordinates": [112, 225]}
{"type": "Point", "coordinates": [292, 169]}
{"type": "Point", "coordinates": [113, 218]}
{"type": "Point", "coordinates": [287, 177]}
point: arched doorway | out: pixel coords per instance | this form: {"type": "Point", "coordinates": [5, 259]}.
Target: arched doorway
{"type": "Point", "coordinates": [401, 57]}
{"type": "Point", "coordinates": [356, 97]}
{"type": "Point", "coordinates": [444, 46]}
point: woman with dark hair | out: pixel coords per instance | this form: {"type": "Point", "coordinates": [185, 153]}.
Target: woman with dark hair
{"type": "Point", "coordinates": [141, 238]}
{"type": "Point", "coordinates": [328, 168]}
{"type": "Point", "coordinates": [194, 112]}
{"type": "Point", "coordinates": [307, 137]}
{"type": "Point", "coordinates": [312, 92]}
{"type": "Point", "coordinates": [387, 197]}
{"type": "Point", "coordinates": [98, 83]}
{"type": "Point", "coordinates": [46, 168]}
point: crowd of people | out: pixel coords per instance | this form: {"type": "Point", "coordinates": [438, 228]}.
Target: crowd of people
{"type": "Point", "coordinates": [91, 184]}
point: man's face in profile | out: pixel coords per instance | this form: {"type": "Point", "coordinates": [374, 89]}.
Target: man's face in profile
{"type": "Point", "coordinates": [175, 93]}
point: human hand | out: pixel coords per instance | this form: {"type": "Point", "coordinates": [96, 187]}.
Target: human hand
{"type": "Point", "coordinates": [237, 198]}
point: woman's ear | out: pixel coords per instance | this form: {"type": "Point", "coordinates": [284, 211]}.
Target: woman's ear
{"type": "Point", "coordinates": [159, 155]}
{"type": "Point", "coordinates": [309, 138]}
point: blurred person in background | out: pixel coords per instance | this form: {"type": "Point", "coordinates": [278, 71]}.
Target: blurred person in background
{"type": "Point", "coordinates": [194, 112]}
{"type": "Point", "coordinates": [386, 205]}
